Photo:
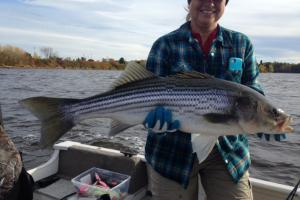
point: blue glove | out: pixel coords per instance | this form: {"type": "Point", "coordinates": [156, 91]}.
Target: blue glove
{"type": "Point", "coordinates": [269, 137]}
{"type": "Point", "coordinates": [160, 120]}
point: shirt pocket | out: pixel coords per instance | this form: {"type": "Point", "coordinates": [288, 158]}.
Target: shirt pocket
{"type": "Point", "coordinates": [235, 70]}
{"type": "Point", "coordinates": [235, 76]}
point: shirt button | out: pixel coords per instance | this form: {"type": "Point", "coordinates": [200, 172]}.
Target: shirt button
{"type": "Point", "coordinates": [226, 161]}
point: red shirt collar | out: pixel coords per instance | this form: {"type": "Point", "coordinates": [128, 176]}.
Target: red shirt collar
{"type": "Point", "coordinates": [206, 46]}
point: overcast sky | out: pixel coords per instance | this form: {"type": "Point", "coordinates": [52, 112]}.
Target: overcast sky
{"type": "Point", "coordinates": [127, 28]}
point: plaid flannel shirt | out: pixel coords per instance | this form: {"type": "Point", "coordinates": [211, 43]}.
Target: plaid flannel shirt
{"type": "Point", "coordinates": [171, 154]}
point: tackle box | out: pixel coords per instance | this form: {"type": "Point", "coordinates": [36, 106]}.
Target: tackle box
{"type": "Point", "coordinates": [115, 184]}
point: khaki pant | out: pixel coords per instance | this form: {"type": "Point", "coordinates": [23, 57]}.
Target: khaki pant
{"type": "Point", "coordinates": [215, 179]}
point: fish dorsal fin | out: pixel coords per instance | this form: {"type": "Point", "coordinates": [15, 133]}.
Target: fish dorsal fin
{"type": "Point", "coordinates": [193, 74]}
{"type": "Point", "coordinates": [133, 72]}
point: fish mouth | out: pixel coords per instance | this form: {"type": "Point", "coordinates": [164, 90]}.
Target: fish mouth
{"type": "Point", "coordinates": [284, 125]}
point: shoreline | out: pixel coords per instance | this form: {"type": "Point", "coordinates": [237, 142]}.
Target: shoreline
{"type": "Point", "coordinates": [95, 69]}
{"type": "Point", "coordinates": [64, 68]}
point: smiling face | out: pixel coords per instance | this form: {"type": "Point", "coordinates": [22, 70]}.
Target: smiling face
{"type": "Point", "coordinates": [206, 13]}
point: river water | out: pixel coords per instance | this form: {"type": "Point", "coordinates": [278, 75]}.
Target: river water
{"type": "Point", "coordinates": [272, 161]}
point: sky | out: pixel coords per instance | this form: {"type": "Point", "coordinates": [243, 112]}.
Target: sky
{"type": "Point", "coordinates": [99, 29]}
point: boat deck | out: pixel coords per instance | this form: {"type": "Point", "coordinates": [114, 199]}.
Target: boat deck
{"type": "Point", "coordinates": [63, 189]}
{"type": "Point", "coordinates": [54, 182]}
{"type": "Point", "coordinates": [71, 159]}
{"type": "Point", "coordinates": [57, 190]}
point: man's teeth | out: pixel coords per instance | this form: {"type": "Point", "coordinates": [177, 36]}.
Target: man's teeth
{"type": "Point", "coordinates": [207, 11]}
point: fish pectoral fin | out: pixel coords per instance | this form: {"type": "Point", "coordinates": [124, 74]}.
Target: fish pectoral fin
{"type": "Point", "coordinates": [202, 145]}
{"type": "Point", "coordinates": [117, 127]}
{"type": "Point", "coordinates": [219, 118]}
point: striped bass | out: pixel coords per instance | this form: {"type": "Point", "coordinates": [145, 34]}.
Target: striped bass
{"type": "Point", "coordinates": [205, 106]}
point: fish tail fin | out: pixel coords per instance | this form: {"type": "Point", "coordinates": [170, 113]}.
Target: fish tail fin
{"type": "Point", "coordinates": [56, 119]}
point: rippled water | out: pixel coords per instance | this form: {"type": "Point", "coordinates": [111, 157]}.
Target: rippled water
{"type": "Point", "coordinates": [274, 161]}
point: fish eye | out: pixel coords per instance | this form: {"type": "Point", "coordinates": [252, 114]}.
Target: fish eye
{"type": "Point", "coordinates": [275, 112]}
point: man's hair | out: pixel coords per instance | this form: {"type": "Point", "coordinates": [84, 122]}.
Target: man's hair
{"type": "Point", "coordinates": [189, 1]}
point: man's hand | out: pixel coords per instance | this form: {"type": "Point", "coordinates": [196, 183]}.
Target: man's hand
{"type": "Point", "coordinates": [160, 120]}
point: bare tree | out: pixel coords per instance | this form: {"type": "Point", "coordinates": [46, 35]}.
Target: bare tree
{"type": "Point", "coordinates": [48, 52]}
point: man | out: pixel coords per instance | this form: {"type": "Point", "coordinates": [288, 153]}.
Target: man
{"type": "Point", "coordinates": [15, 182]}
{"type": "Point", "coordinates": [202, 45]}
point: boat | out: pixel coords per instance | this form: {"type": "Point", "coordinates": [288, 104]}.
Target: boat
{"type": "Point", "coordinates": [69, 159]}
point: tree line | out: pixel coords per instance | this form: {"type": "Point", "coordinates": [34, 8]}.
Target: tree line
{"type": "Point", "coordinates": [277, 67]}
{"type": "Point", "coordinates": [11, 56]}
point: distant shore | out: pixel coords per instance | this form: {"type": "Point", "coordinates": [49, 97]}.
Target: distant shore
{"type": "Point", "coordinates": [71, 64]}
{"type": "Point", "coordinates": [14, 57]}
{"type": "Point", "coordinates": [59, 67]}
{"type": "Point", "coordinates": [58, 63]}
{"type": "Point", "coordinates": [264, 68]}
{"type": "Point", "coordinates": [269, 67]}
